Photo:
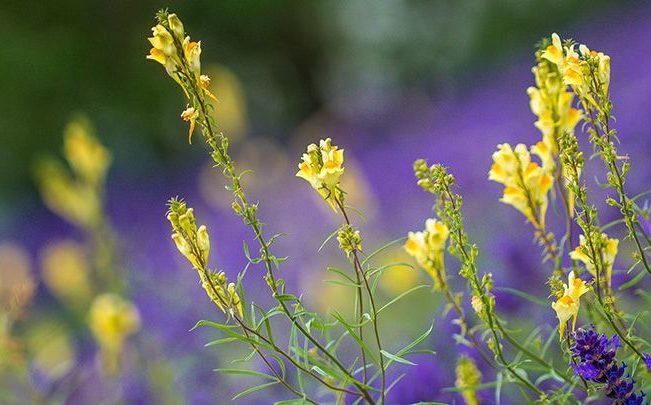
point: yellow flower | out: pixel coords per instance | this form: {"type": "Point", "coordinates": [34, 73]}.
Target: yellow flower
{"type": "Point", "coordinates": [87, 156]}
{"type": "Point", "coordinates": [554, 52]}
{"type": "Point", "coordinates": [603, 64]}
{"type": "Point", "coordinates": [427, 248]}
{"type": "Point", "coordinates": [162, 42]}
{"type": "Point", "coordinates": [192, 51]}
{"type": "Point", "coordinates": [190, 114]}
{"type": "Point", "coordinates": [204, 81]}
{"type": "Point", "coordinates": [526, 183]}
{"type": "Point", "coordinates": [607, 248]}
{"type": "Point", "coordinates": [567, 306]}
{"type": "Point", "coordinates": [66, 272]}
{"type": "Point", "coordinates": [322, 166]}
{"type": "Point", "coordinates": [553, 106]}
{"type": "Point", "coordinates": [192, 242]}
{"type": "Point", "coordinates": [468, 375]}
{"type": "Point", "coordinates": [73, 201]}
{"type": "Point", "coordinates": [112, 319]}
{"type": "Point", "coordinates": [164, 50]}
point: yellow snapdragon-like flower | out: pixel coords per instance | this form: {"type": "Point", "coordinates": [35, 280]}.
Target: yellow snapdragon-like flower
{"type": "Point", "coordinates": [163, 50]}
{"type": "Point", "coordinates": [86, 155]}
{"type": "Point", "coordinates": [608, 253]}
{"type": "Point", "coordinates": [191, 115]}
{"type": "Point", "coordinates": [567, 306]}
{"type": "Point", "coordinates": [322, 166]}
{"type": "Point", "coordinates": [574, 68]}
{"type": "Point", "coordinates": [192, 52]}
{"type": "Point", "coordinates": [112, 319]}
{"type": "Point", "coordinates": [427, 248]}
{"type": "Point", "coordinates": [175, 51]}
{"type": "Point", "coordinates": [553, 106]}
{"type": "Point", "coordinates": [526, 184]}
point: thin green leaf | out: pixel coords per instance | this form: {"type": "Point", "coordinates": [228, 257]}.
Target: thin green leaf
{"type": "Point", "coordinates": [255, 389]}
{"type": "Point", "coordinates": [382, 248]}
{"type": "Point", "coordinates": [241, 371]}
{"type": "Point", "coordinates": [332, 235]}
{"type": "Point", "coordinates": [397, 359]}
{"type": "Point", "coordinates": [632, 282]}
{"type": "Point", "coordinates": [220, 341]}
{"type": "Point", "coordinates": [399, 297]}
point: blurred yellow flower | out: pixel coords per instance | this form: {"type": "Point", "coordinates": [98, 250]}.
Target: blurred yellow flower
{"type": "Point", "coordinates": [468, 375]}
{"type": "Point", "coordinates": [427, 248]}
{"type": "Point", "coordinates": [526, 184]}
{"type": "Point", "coordinates": [65, 271]}
{"type": "Point", "coordinates": [567, 306]}
{"type": "Point", "coordinates": [322, 166]}
{"type": "Point", "coordinates": [87, 156]}
{"type": "Point", "coordinates": [606, 252]}
{"type": "Point", "coordinates": [73, 201]}
{"type": "Point", "coordinates": [112, 319]}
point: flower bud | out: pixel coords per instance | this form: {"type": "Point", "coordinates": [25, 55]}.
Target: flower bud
{"type": "Point", "coordinates": [203, 241]}
{"type": "Point", "coordinates": [184, 247]}
{"type": "Point", "coordinates": [176, 26]}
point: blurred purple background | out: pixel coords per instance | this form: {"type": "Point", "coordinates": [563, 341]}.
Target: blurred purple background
{"type": "Point", "coordinates": [383, 131]}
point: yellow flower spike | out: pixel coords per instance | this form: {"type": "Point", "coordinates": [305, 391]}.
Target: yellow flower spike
{"type": "Point", "coordinates": [427, 248]}
{"type": "Point", "coordinates": [322, 166]}
{"type": "Point", "coordinates": [568, 305]}
{"type": "Point", "coordinates": [191, 115]}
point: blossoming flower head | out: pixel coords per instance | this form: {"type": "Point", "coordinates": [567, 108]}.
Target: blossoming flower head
{"type": "Point", "coordinates": [526, 184]}
{"type": "Point", "coordinates": [567, 306]}
{"type": "Point", "coordinates": [580, 69]}
{"type": "Point", "coordinates": [191, 241]}
{"type": "Point", "coordinates": [606, 253]}
{"type": "Point", "coordinates": [322, 166]}
{"type": "Point", "coordinates": [427, 248]}
{"type": "Point", "coordinates": [180, 56]}
{"type": "Point", "coordinates": [553, 106]}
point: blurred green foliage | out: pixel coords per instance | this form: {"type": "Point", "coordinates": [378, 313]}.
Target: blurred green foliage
{"type": "Point", "coordinates": [62, 57]}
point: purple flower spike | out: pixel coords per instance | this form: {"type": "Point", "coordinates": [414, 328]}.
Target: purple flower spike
{"type": "Point", "coordinates": [595, 356]}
